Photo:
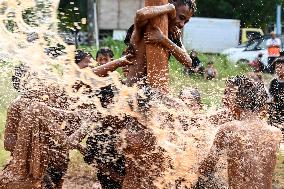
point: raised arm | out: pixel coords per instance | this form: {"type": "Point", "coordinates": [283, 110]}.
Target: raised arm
{"type": "Point", "coordinates": [145, 14]}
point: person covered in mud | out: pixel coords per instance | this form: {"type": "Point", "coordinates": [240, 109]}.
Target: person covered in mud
{"type": "Point", "coordinates": [34, 124]}
{"type": "Point", "coordinates": [107, 64]}
{"type": "Point", "coordinates": [179, 11]}
{"type": "Point", "coordinates": [104, 55]}
{"type": "Point", "coordinates": [58, 164]}
{"type": "Point", "coordinates": [250, 143]}
{"type": "Point", "coordinates": [192, 98]}
{"type": "Point", "coordinates": [143, 160]}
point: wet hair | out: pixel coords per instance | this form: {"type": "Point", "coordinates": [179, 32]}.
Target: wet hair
{"type": "Point", "coordinates": [250, 95]}
{"type": "Point", "coordinates": [19, 74]}
{"type": "Point", "coordinates": [128, 35]}
{"type": "Point", "coordinates": [190, 3]}
{"type": "Point", "coordinates": [80, 55]}
{"type": "Point", "coordinates": [105, 51]}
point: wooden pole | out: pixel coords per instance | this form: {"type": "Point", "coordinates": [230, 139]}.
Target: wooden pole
{"type": "Point", "coordinates": [157, 56]}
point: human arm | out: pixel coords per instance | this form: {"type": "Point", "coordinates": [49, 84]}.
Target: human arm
{"type": "Point", "coordinates": [207, 166]}
{"type": "Point", "coordinates": [156, 36]}
{"type": "Point", "coordinates": [143, 15]}
{"type": "Point", "coordinates": [11, 128]}
{"type": "Point", "coordinates": [103, 70]}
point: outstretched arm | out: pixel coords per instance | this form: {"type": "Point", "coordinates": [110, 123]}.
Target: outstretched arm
{"type": "Point", "coordinates": [103, 70]}
{"type": "Point", "coordinates": [145, 14]}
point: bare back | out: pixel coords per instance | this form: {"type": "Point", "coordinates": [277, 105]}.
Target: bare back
{"type": "Point", "coordinates": [251, 149]}
{"type": "Point", "coordinates": [138, 71]}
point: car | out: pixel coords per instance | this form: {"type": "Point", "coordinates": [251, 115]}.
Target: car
{"type": "Point", "coordinates": [240, 47]}
{"type": "Point", "coordinates": [249, 53]}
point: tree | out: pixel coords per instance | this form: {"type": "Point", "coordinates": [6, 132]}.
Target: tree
{"type": "Point", "coordinates": [257, 13]}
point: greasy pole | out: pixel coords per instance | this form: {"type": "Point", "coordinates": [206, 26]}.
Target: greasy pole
{"type": "Point", "coordinates": [157, 56]}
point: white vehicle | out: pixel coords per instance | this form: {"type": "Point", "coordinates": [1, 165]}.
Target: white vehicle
{"type": "Point", "coordinates": [211, 35]}
{"type": "Point", "coordinates": [233, 50]}
{"type": "Point", "coordinates": [249, 53]}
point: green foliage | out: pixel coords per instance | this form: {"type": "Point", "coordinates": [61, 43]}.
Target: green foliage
{"type": "Point", "coordinates": [256, 13]}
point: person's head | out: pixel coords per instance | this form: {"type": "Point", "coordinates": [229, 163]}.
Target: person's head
{"type": "Point", "coordinates": [273, 35]}
{"type": "Point", "coordinates": [184, 11]}
{"type": "Point", "coordinates": [104, 55]}
{"type": "Point", "coordinates": [191, 97]}
{"type": "Point", "coordinates": [260, 55]}
{"type": "Point", "coordinates": [279, 67]}
{"type": "Point", "coordinates": [193, 54]}
{"type": "Point", "coordinates": [243, 94]}
{"type": "Point", "coordinates": [83, 59]}
{"type": "Point", "coordinates": [210, 64]}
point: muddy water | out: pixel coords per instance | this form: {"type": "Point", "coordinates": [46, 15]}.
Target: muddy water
{"type": "Point", "coordinates": [182, 137]}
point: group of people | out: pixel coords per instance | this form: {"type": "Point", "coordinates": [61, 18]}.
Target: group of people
{"type": "Point", "coordinates": [209, 73]}
{"type": "Point", "coordinates": [42, 126]}
{"type": "Point", "coordinates": [274, 51]}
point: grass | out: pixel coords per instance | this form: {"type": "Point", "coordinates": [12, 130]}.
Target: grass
{"type": "Point", "coordinates": [279, 171]}
{"type": "Point", "coordinates": [211, 91]}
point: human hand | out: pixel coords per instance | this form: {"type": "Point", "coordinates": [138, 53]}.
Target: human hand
{"type": "Point", "coordinates": [125, 60]}
{"type": "Point", "coordinates": [175, 33]}
{"type": "Point", "coordinates": [154, 36]}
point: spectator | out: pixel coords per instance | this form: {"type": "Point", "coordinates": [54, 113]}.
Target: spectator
{"type": "Point", "coordinates": [83, 59]}
{"type": "Point", "coordinates": [210, 71]}
{"type": "Point", "coordinates": [276, 90]}
{"type": "Point", "coordinates": [191, 97]}
{"type": "Point", "coordinates": [256, 64]}
{"type": "Point", "coordinates": [196, 64]}
{"type": "Point", "coordinates": [104, 55]}
{"type": "Point", "coordinates": [273, 44]}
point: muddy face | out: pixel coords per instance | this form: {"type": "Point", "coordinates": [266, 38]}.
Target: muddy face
{"type": "Point", "coordinates": [103, 59]}
{"type": "Point", "coordinates": [183, 14]}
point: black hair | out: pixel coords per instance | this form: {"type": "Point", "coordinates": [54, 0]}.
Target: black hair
{"type": "Point", "coordinates": [279, 60]}
{"type": "Point", "coordinates": [105, 51]}
{"type": "Point", "coordinates": [19, 73]}
{"type": "Point", "coordinates": [210, 63]}
{"type": "Point", "coordinates": [80, 55]}
{"type": "Point", "coordinates": [106, 94]}
{"type": "Point", "coordinates": [194, 93]}
{"type": "Point", "coordinates": [190, 3]}
{"type": "Point", "coordinates": [128, 35]}
{"type": "Point", "coordinates": [250, 95]}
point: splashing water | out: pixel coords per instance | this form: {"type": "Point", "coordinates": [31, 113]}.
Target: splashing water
{"type": "Point", "coordinates": [181, 138]}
